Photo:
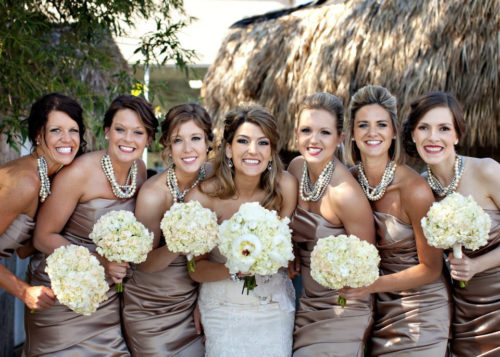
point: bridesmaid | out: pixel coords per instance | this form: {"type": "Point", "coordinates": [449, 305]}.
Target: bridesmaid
{"type": "Point", "coordinates": [433, 128]}
{"type": "Point", "coordinates": [331, 203]}
{"type": "Point", "coordinates": [96, 183]}
{"type": "Point", "coordinates": [55, 129]}
{"type": "Point", "coordinates": [160, 298]}
{"type": "Point", "coordinates": [411, 290]}
{"type": "Point", "coordinates": [247, 169]}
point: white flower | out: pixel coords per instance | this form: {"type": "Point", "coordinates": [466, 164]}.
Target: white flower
{"type": "Point", "coordinates": [456, 220]}
{"type": "Point", "coordinates": [255, 240]}
{"type": "Point", "coordinates": [121, 238]}
{"type": "Point", "coordinates": [343, 260]}
{"type": "Point", "coordinates": [190, 228]}
{"type": "Point", "coordinates": [77, 278]}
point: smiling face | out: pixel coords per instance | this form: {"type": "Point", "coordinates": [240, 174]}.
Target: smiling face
{"type": "Point", "coordinates": [60, 140]}
{"type": "Point", "coordinates": [188, 147]}
{"type": "Point", "coordinates": [127, 136]}
{"type": "Point", "coordinates": [373, 131]}
{"type": "Point", "coordinates": [250, 150]}
{"type": "Point", "coordinates": [317, 136]}
{"type": "Point", "coordinates": [435, 136]}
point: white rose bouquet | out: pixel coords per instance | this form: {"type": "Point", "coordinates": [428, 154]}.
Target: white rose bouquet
{"type": "Point", "coordinates": [77, 278]}
{"type": "Point", "coordinates": [190, 228]}
{"type": "Point", "coordinates": [255, 241]}
{"type": "Point", "coordinates": [454, 222]}
{"type": "Point", "coordinates": [342, 261]}
{"type": "Point", "coordinates": [121, 238]}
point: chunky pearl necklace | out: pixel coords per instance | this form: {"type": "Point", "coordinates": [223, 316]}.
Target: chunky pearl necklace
{"type": "Point", "coordinates": [376, 193]}
{"type": "Point", "coordinates": [173, 185]}
{"type": "Point", "coordinates": [457, 175]}
{"type": "Point", "coordinates": [43, 174]}
{"type": "Point", "coordinates": [309, 192]}
{"type": "Point", "coordinates": [120, 191]}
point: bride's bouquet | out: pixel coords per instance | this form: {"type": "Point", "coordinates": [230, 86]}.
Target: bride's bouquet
{"type": "Point", "coordinates": [77, 278]}
{"type": "Point", "coordinates": [121, 238]}
{"type": "Point", "coordinates": [342, 261]}
{"type": "Point", "coordinates": [255, 241]}
{"type": "Point", "coordinates": [190, 228]}
{"type": "Point", "coordinates": [454, 222]}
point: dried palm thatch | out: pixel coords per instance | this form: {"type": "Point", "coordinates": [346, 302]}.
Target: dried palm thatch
{"type": "Point", "coordinates": [410, 47]}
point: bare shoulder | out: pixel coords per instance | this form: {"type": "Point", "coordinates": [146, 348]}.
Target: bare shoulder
{"type": "Point", "coordinates": [413, 187]}
{"type": "Point", "coordinates": [19, 179]}
{"type": "Point", "coordinates": [155, 191]}
{"type": "Point", "coordinates": [486, 168]}
{"type": "Point", "coordinates": [287, 180]}
{"type": "Point", "coordinates": [295, 167]}
{"type": "Point", "coordinates": [343, 188]}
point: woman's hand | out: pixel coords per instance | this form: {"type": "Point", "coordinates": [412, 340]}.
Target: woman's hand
{"type": "Point", "coordinates": [355, 293]}
{"type": "Point", "coordinates": [116, 271]}
{"type": "Point", "coordinates": [38, 297]}
{"type": "Point", "coordinates": [462, 269]}
{"type": "Point", "coordinates": [294, 267]}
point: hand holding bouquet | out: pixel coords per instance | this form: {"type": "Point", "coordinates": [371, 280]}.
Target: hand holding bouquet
{"type": "Point", "coordinates": [190, 228]}
{"type": "Point", "coordinates": [454, 222]}
{"type": "Point", "coordinates": [255, 241]}
{"type": "Point", "coordinates": [342, 261]}
{"type": "Point", "coordinates": [77, 278]}
{"type": "Point", "coordinates": [121, 238]}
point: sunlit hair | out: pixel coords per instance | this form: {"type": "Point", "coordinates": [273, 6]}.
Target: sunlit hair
{"type": "Point", "coordinates": [422, 106]}
{"type": "Point", "coordinates": [139, 105]}
{"type": "Point", "coordinates": [269, 180]}
{"type": "Point", "coordinates": [41, 109]}
{"type": "Point", "coordinates": [372, 94]}
{"type": "Point", "coordinates": [181, 114]}
{"type": "Point", "coordinates": [327, 102]}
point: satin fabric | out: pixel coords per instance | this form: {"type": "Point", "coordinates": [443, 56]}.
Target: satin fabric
{"type": "Point", "coordinates": [413, 322]}
{"type": "Point", "coordinates": [158, 312]}
{"type": "Point", "coordinates": [257, 324]}
{"type": "Point", "coordinates": [58, 331]}
{"type": "Point", "coordinates": [16, 234]}
{"type": "Point", "coordinates": [476, 322]}
{"type": "Point", "coordinates": [322, 327]}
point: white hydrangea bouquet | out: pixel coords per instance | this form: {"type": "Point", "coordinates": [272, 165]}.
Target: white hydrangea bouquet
{"type": "Point", "coordinates": [255, 241]}
{"type": "Point", "coordinates": [454, 222]}
{"type": "Point", "coordinates": [121, 238]}
{"type": "Point", "coordinates": [190, 228]}
{"type": "Point", "coordinates": [77, 278]}
{"type": "Point", "coordinates": [342, 261]}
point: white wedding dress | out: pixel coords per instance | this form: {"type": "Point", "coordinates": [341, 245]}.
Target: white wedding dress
{"type": "Point", "coordinates": [240, 325]}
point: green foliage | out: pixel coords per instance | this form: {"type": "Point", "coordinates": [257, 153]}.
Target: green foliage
{"type": "Point", "coordinates": [66, 46]}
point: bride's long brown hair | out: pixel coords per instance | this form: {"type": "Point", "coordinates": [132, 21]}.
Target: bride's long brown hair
{"type": "Point", "coordinates": [269, 180]}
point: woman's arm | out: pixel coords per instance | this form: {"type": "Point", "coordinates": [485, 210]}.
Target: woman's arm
{"type": "Point", "coordinates": [152, 203]}
{"type": "Point", "coordinates": [208, 271]}
{"type": "Point", "coordinates": [289, 190]}
{"type": "Point", "coordinates": [416, 200]}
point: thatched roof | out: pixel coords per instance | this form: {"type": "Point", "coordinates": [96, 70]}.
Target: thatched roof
{"type": "Point", "coordinates": [410, 47]}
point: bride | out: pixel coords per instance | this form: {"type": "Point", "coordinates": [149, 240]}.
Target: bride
{"type": "Point", "coordinates": [248, 169]}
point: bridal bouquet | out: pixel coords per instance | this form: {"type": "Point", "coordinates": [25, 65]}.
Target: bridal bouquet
{"type": "Point", "coordinates": [342, 261]}
{"type": "Point", "coordinates": [121, 238]}
{"type": "Point", "coordinates": [77, 278]}
{"type": "Point", "coordinates": [190, 228]}
{"type": "Point", "coordinates": [454, 222]}
{"type": "Point", "coordinates": [255, 241]}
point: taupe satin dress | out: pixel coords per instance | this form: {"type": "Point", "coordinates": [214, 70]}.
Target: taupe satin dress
{"type": "Point", "coordinates": [476, 324]}
{"type": "Point", "coordinates": [15, 235]}
{"type": "Point", "coordinates": [413, 322]}
{"type": "Point", "coordinates": [158, 312]}
{"type": "Point", "coordinates": [322, 327]}
{"type": "Point", "coordinates": [58, 331]}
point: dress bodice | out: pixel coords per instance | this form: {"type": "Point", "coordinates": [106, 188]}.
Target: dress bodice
{"type": "Point", "coordinates": [307, 228]}
{"type": "Point", "coordinates": [18, 232]}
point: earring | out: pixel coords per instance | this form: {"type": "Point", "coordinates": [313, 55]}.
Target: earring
{"type": "Point", "coordinates": [106, 137]}
{"type": "Point", "coordinates": [412, 139]}
{"type": "Point", "coordinates": [269, 165]}
{"type": "Point", "coordinates": [230, 163]}
{"type": "Point", "coordinates": [37, 143]}
{"type": "Point", "coordinates": [456, 142]}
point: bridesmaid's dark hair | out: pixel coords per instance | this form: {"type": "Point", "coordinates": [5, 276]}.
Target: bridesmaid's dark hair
{"type": "Point", "coordinates": [423, 105]}
{"type": "Point", "coordinates": [139, 105]}
{"type": "Point", "coordinates": [39, 115]}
